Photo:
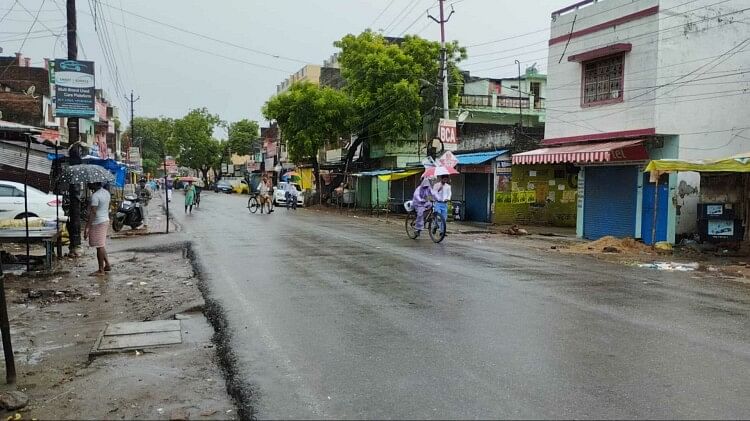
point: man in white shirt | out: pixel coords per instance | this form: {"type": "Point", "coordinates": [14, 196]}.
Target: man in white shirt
{"type": "Point", "coordinates": [441, 191]}
{"type": "Point", "coordinates": [98, 225]}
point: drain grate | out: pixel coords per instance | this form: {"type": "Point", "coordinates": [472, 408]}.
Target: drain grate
{"type": "Point", "coordinates": [121, 337]}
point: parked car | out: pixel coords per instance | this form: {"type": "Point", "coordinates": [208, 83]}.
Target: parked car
{"type": "Point", "coordinates": [41, 204]}
{"type": "Point", "coordinates": [223, 186]}
{"type": "Point", "coordinates": [279, 194]}
{"type": "Point", "coordinates": [241, 187]}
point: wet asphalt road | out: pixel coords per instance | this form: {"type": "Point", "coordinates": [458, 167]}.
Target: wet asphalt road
{"type": "Point", "coordinates": [336, 317]}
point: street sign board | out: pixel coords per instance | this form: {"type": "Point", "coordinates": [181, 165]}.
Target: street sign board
{"type": "Point", "coordinates": [448, 160]}
{"type": "Point", "coordinates": [74, 88]}
{"type": "Point", "coordinates": [448, 134]}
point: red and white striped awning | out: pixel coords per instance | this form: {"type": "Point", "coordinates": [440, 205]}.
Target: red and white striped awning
{"type": "Point", "coordinates": [602, 152]}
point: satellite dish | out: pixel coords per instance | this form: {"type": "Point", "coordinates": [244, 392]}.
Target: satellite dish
{"type": "Point", "coordinates": [463, 115]}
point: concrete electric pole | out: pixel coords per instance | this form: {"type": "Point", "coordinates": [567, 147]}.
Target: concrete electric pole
{"type": "Point", "coordinates": [444, 57]}
{"type": "Point", "coordinates": [132, 125]}
{"type": "Point", "coordinates": [74, 153]}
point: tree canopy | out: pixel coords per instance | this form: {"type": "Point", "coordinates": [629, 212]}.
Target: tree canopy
{"type": "Point", "coordinates": [309, 116]}
{"type": "Point", "coordinates": [154, 135]}
{"type": "Point", "coordinates": [394, 83]}
{"type": "Point", "coordinates": [243, 135]}
{"type": "Point", "coordinates": [193, 138]}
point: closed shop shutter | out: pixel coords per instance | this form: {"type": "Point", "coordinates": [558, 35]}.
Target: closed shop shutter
{"type": "Point", "coordinates": [609, 206]}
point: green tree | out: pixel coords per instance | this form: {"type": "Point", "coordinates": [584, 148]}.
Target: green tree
{"type": "Point", "coordinates": [309, 116]}
{"type": "Point", "coordinates": [394, 84]}
{"type": "Point", "coordinates": [193, 138]}
{"type": "Point", "coordinates": [154, 135]}
{"type": "Point", "coordinates": [243, 136]}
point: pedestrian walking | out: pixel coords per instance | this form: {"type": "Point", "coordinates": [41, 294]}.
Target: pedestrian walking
{"type": "Point", "coordinates": [269, 181]}
{"type": "Point", "coordinates": [189, 197]}
{"type": "Point", "coordinates": [168, 184]}
{"type": "Point", "coordinates": [98, 225]}
{"type": "Point", "coordinates": [441, 191]}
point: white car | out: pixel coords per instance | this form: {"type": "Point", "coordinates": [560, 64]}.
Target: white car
{"type": "Point", "coordinates": [41, 204]}
{"type": "Point", "coordinates": [279, 194]}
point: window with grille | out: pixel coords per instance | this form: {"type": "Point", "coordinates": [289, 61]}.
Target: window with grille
{"type": "Point", "coordinates": [602, 80]}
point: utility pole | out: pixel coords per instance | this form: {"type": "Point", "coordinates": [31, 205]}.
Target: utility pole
{"type": "Point", "coordinates": [444, 56]}
{"type": "Point", "coordinates": [74, 153]}
{"type": "Point", "coordinates": [132, 125]}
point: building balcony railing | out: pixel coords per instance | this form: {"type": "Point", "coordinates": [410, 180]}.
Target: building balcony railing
{"type": "Point", "coordinates": [497, 101]}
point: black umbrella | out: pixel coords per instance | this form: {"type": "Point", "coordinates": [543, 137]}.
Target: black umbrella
{"type": "Point", "coordinates": [86, 173]}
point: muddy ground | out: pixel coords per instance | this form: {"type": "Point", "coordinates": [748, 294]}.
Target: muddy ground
{"type": "Point", "coordinates": [56, 319]}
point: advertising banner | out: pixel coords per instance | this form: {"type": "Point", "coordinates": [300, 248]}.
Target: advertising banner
{"type": "Point", "coordinates": [74, 88]}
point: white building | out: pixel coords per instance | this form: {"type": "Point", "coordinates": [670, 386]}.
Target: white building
{"type": "Point", "coordinates": [634, 80]}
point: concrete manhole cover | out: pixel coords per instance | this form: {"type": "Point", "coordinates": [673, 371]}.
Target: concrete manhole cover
{"type": "Point", "coordinates": [120, 337]}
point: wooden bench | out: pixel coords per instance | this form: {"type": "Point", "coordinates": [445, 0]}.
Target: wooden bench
{"type": "Point", "coordinates": [46, 237]}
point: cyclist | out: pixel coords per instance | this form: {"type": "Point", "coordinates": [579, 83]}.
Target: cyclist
{"type": "Point", "coordinates": [421, 202]}
{"type": "Point", "coordinates": [290, 193]}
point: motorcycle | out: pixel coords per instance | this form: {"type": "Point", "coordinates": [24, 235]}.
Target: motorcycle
{"type": "Point", "coordinates": [129, 213]}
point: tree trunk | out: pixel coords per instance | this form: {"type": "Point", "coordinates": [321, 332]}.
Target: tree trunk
{"type": "Point", "coordinates": [316, 175]}
{"type": "Point", "coordinates": [204, 170]}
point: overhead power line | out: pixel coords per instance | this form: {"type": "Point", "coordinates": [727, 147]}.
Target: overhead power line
{"type": "Point", "coordinates": [545, 29]}
{"type": "Point", "coordinates": [31, 28]}
{"type": "Point", "coordinates": [588, 39]}
{"type": "Point", "coordinates": [194, 48]}
{"type": "Point", "coordinates": [204, 36]}
{"type": "Point", "coordinates": [621, 40]}
{"type": "Point", "coordinates": [388, 6]}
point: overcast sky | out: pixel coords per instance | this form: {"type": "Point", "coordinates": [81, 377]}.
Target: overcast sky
{"type": "Point", "coordinates": [181, 71]}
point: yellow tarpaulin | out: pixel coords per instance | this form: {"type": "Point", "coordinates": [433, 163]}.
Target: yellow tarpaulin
{"type": "Point", "coordinates": [737, 163]}
{"type": "Point", "coordinates": [399, 175]}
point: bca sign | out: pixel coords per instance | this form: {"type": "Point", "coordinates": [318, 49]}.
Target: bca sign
{"type": "Point", "coordinates": [448, 134]}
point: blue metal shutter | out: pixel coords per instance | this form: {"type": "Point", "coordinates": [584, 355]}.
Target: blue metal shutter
{"type": "Point", "coordinates": [610, 204]}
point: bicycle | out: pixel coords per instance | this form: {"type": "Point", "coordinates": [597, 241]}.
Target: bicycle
{"type": "Point", "coordinates": [433, 223]}
{"type": "Point", "coordinates": [253, 204]}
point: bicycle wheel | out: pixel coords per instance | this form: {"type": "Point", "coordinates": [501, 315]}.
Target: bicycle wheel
{"type": "Point", "coordinates": [437, 228]}
{"type": "Point", "coordinates": [252, 204]}
{"type": "Point", "coordinates": [411, 222]}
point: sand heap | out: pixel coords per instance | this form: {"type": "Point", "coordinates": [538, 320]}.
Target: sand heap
{"type": "Point", "coordinates": [612, 245]}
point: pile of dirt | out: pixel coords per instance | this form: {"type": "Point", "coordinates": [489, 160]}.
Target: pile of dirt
{"type": "Point", "coordinates": [611, 244]}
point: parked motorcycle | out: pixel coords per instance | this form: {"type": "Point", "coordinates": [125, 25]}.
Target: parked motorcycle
{"type": "Point", "coordinates": [129, 213]}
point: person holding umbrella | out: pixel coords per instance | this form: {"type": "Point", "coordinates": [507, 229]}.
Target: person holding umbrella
{"type": "Point", "coordinates": [441, 191]}
{"type": "Point", "coordinates": [98, 225]}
